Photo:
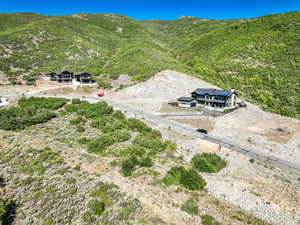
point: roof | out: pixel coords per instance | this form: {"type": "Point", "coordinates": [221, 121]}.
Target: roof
{"type": "Point", "coordinates": [185, 99]}
{"type": "Point", "coordinates": [211, 91]}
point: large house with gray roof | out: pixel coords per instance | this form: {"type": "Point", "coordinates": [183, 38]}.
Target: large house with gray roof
{"type": "Point", "coordinates": [210, 98]}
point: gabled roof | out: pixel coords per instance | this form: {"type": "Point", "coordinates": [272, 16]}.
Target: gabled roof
{"type": "Point", "coordinates": [211, 91]}
{"type": "Point", "coordinates": [185, 99]}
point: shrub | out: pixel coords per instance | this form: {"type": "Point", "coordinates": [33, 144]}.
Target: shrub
{"type": "Point", "coordinates": [71, 108]}
{"type": "Point", "coordinates": [48, 221]}
{"type": "Point", "coordinates": [101, 143]}
{"type": "Point", "coordinates": [129, 165]}
{"type": "Point", "coordinates": [5, 210]}
{"type": "Point", "coordinates": [78, 120]}
{"type": "Point", "coordinates": [89, 110]}
{"type": "Point", "coordinates": [190, 206]}
{"type": "Point", "coordinates": [76, 101]}
{"type": "Point", "coordinates": [96, 206]}
{"type": "Point", "coordinates": [18, 118]}
{"type": "Point", "coordinates": [208, 220]}
{"type": "Point", "coordinates": [170, 146]}
{"type": "Point", "coordinates": [148, 141]}
{"type": "Point", "coordinates": [252, 161]}
{"type": "Point", "coordinates": [80, 128]}
{"type": "Point", "coordinates": [173, 176]}
{"type": "Point", "coordinates": [121, 135]}
{"type": "Point", "coordinates": [118, 114]}
{"type": "Point", "coordinates": [135, 150]}
{"type": "Point", "coordinates": [83, 140]}
{"type": "Point", "coordinates": [146, 162]}
{"type": "Point", "coordinates": [43, 103]}
{"type": "Point", "coordinates": [192, 180]}
{"type": "Point", "coordinates": [180, 176]}
{"type": "Point", "coordinates": [208, 162]}
{"type": "Point", "coordinates": [137, 125]}
{"type": "Point", "coordinates": [30, 112]}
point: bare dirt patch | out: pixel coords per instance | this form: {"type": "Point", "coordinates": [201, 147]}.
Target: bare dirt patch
{"type": "Point", "coordinates": [281, 134]}
{"type": "Point", "coordinates": [163, 87]}
{"type": "Point", "coordinates": [167, 108]}
{"type": "Point", "coordinates": [82, 90]}
{"type": "Point", "coordinates": [198, 123]}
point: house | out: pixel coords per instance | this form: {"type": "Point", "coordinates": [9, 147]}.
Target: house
{"type": "Point", "coordinates": [215, 99]}
{"type": "Point", "coordinates": [65, 77]}
{"type": "Point", "coordinates": [84, 77]}
{"type": "Point", "coordinates": [186, 102]}
{"type": "Point", "coordinates": [210, 98]}
{"type": "Point", "coordinates": [3, 102]}
{"type": "Point", "coordinates": [53, 76]}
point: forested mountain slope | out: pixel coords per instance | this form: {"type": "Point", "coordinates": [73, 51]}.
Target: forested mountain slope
{"type": "Point", "coordinates": [259, 57]}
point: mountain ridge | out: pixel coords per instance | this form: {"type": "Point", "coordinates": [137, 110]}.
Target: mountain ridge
{"type": "Point", "coordinates": [257, 56]}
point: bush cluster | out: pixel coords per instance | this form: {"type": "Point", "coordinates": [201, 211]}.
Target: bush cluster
{"type": "Point", "coordinates": [208, 162]}
{"type": "Point", "coordinates": [116, 128]}
{"type": "Point", "coordinates": [42, 103]}
{"type": "Point", "coordinates": [96, 206]}
{"type": "Point", "coordinates": [78, 120]}
{"type": "Point", "coordinates": [29, 112]}
{"type": "Point", "coordinates": [180, 176]}
{"type": "Point", "coordinates": [129, 165]}
{"type": "Point", "coordinates": [208, 220]}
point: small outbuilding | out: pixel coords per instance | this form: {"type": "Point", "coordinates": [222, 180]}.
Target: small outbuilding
{"type": "Point", "coordinates": [186, 102]}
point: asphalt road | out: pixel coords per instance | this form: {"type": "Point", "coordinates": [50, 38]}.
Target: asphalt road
{"type": "Point", "coordinates": [187, 130]}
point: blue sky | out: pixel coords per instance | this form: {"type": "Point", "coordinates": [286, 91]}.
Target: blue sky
{"type": "Point", "coordinates": [155, 9]}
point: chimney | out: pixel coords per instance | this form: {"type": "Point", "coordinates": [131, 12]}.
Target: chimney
{"type": "Point", "coordinates": [232, 90]}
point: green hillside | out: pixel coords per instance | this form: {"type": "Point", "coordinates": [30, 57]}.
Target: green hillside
{"type": "Point", "coordinates": [259, 57]}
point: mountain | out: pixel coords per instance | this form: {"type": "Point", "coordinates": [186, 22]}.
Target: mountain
{"type": "Point", "coordinates": [259, 57]}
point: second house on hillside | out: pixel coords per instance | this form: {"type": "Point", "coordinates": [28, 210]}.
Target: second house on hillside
{"type": "Point", "coordinates": [65, 77]}
{"type": "Point", "coordinates": [84, 78]}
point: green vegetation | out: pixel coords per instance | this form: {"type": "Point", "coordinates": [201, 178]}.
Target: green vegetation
{"type": "Point", "coordinates": [5, 207]}
{"type": "Point", "coordinates": [116, 128]}
{"type": "Point", "coordinates": [188, 179]}
{"type": "Point", "coordinates": [96, 206]}
{"type": "Point", "coordinates": [29, 112]}
{"type": "Point", "coordinates": [261, 60]}
{"type": "Point", "coordinates": [208, 162]}
{"type": "Point", "coordinates": [76, 101]}
{"type": "Point", "coordinates": [190, 206]}
{"type": "Point", "coordinates": [208, 220]}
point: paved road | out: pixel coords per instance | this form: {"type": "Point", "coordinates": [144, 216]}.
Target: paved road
{"type": "Point", "coordinates": [187, 130]}
{"type": "Point", "coordinates": [179, 114]}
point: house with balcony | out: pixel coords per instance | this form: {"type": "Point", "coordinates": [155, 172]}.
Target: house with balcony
{"type": "Point", "coordinates": [210, 98]}
{"type": "Point", "coordinates": [214, 98]}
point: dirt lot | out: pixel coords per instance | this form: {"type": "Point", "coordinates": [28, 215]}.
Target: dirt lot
{"type": "Point", "coordinates": [198, 123]}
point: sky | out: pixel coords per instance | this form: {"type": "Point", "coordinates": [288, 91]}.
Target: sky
{"type": "Point", "coordinates": [155, 9]}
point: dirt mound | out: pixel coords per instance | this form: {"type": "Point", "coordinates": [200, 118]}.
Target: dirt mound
{"type": "Point", "coordinates": [165, 86]}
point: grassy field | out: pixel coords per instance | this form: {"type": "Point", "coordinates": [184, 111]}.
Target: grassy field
{"type": "Point", "coordinates": [259, 57]}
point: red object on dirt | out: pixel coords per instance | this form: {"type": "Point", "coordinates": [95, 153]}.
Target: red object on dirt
{"type": "Point", "coordinates": [101, 94]}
